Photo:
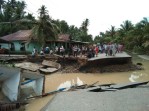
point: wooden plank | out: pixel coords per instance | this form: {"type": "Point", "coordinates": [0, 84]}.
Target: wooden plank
{"type": "Point", "coordinates": [49, 93]}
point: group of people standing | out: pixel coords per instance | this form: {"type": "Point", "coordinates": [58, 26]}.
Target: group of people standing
{"type": "Point", "coordinates": [73, 50]}
{"type": "Point", "coordinates": [110, 49]}
{"type": "Point", "coordinates": [77, 50]}
{"type": "Point", "coordinates": [43, 51]}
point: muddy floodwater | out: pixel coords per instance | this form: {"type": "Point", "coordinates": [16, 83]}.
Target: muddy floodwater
{"type": "Point", "coordinates": [57, 80]}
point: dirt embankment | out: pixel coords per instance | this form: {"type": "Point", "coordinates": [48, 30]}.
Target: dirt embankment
{"type": "Point", "coordinates": [76, 68]}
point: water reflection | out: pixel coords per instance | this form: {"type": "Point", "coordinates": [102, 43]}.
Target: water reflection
{"type": "Point", "coordinates": [136, 76]}
{"type": "Point", "coordinates": [79, 82]}
{"type": "Point", "coordinates": [68, 84]}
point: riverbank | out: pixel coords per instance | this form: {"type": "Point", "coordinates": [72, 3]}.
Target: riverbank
{"type": "Point", "coordinates": [99, 64]}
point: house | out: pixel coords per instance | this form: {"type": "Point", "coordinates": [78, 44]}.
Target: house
{"type": "Point", "coordinates": [18, 41]}
{"type": "Point", "coordinates": [2, 49]}
{"type": "Point", "coordinates": [66, 41]}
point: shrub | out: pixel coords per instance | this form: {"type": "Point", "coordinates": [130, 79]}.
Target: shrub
{"type": "Point", "coordinates": [139, 50]}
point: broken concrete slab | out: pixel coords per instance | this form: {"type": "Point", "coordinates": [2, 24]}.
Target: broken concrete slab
{"type": "Point", "coordinates": [10, 76]}
{"type": "Point", "coordinates": [28, 66]}
{"type": "Point", "coordinates": [132, 99]}
{"type": "Point", "coordinates": [104, 87]}
{"type": "Point", "coordinates": [48, 70]}
{"type": "Point", "coordinates": [51, 64]}
{"type": "Point", "coordinates": [128, 85]}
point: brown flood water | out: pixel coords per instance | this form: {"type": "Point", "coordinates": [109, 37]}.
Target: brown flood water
{"type": "Point", "coordinates": [55, 81]}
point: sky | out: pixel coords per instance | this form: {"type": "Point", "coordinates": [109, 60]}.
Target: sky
{"type": "Point", "coordinates": [101, 13]}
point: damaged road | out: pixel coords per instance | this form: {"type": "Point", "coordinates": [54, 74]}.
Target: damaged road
{"type": "Point", "coordinates": [127, 99]}
{"type": "Point", "coordinates": [115, 87]}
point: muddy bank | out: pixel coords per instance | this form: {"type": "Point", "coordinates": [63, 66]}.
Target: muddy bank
{"type": "Point", "coordinates": [72, 66]}
{"type": "Point", "coordinates": [81, 64]}
{"type": "Point", "coordinates": [76, 68]}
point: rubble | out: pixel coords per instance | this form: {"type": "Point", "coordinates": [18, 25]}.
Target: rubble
{"type": "Point", "coordinates": [48, 70]}
{"type": "Point", "coordinates": [51, 64]}
{"type": "Point", "coordinates": [10, 76]}
{"type": "Point", "coordinates": [28, 66]}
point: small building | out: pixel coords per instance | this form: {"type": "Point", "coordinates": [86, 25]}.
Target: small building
{"type": "Point", "coordinates": [2, 49]}
{"type": "Point", "coordinates": [62, 40]}
{"type": "Point", "coordinates": [19, 41]}
{"type": "Point", "coordinates": [66, 41]}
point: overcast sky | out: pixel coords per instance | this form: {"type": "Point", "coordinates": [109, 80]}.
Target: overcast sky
{"type": "Point", "coordinates": [101, 13]}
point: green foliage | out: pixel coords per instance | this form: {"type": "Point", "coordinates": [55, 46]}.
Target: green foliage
{"type": "Point", "coordinates": [62, 25]}
{"type": "Point", "coordinates": [13, 18]}
{"type": "Point", "coordinates": [44, 29]}
{"type": "Point", "coordinates": [97, 39]}
{"type": "Point", "coordinates": [139, 50]}
{"type": "Point", "coordinates": [10, 15]}
{"type": "Point", "coordinates": [134, 37]}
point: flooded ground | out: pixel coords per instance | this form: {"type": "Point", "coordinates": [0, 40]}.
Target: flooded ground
{"type": "Point", "coordinates": [57, 80]}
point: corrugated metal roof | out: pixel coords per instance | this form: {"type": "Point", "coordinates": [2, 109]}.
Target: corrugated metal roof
{"type": "Point", "coordinates": [63, 37]}
{"type": "Point", "coordinates": [3, 41]}
{"type": "Point", "coordinates": [21, 35]}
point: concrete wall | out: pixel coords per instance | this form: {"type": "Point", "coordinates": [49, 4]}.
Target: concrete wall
{"type": "Point", "coordinates": [31, 45]}
{"type": "Point", "coordinates": [4, 45]}
{"type": "Point", "coordinates": [17, 44]}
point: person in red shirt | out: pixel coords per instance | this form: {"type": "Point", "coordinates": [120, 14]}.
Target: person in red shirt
{"type": "Point", "coordinates": [96, 50]}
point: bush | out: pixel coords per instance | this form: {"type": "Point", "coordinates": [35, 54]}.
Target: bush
{"type": "Point", "coordinates": [139, 50]}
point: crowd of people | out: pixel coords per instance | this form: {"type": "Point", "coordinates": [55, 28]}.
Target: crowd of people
{"type": "Point", "coordinates": [110, 49]}
{"type": "Point", "coordinates": [47, 50]}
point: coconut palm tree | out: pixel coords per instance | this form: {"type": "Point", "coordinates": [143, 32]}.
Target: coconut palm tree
{"type": "Point", "coordinates": [85, 25]}
{"type": "Point", "coordinates": [1, 4]}
{"type": "Point", "coordinates": [112, 31]}
{"type": "Point", "coordinates": [126, 26]}
{"type": "Point", "coordinates": [43, 29]}
{"type": "Point", "coordinates": [64, 27]}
